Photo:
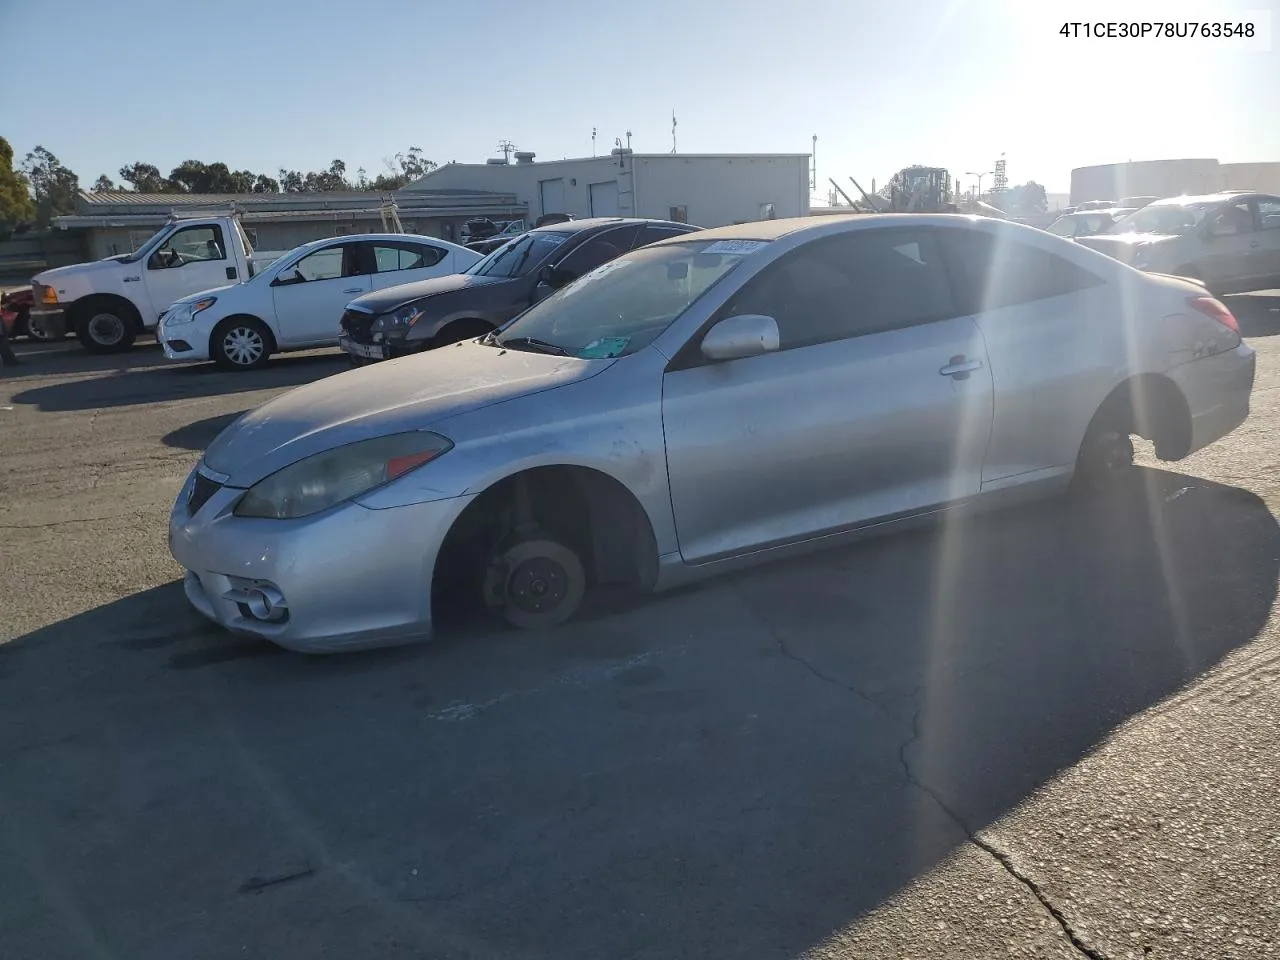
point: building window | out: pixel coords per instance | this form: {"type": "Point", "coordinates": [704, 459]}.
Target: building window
{"type": "Point", "coordinates": [679, 214]}
{"type": "Point", "coordinates": [766, 212]}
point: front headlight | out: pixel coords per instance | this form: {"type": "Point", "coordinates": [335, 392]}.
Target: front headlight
{"type": "Point", "coordinates": [329, 478]}
{"type": "Point", "coordinates": [186, 312]}
{"type": "Point", "coordinates": [402, 319]}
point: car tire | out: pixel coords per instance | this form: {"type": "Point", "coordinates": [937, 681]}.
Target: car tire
{"type": "Point", "coordinates": [1105, 461]}
{"type": "Point", "coordinates": [103, 326]}
{"type": "Point", "coordinates": [535, 584]}
{"type": "Point", "coordinates": [241, 343]}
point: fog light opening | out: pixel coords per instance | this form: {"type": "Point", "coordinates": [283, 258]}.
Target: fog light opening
{"type": "Point", "coordinates": [266, 603]}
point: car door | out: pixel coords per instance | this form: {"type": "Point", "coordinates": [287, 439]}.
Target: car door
{"type": "Point", "coordinates": [192, 259]}
{"type": "Point", "coordinates": [1229, 243]}
{"type": "Point", "coordinates": [404, 261]}
{"type": "Point", "coordinates": [876, 405]}
{"type": "Point", "coordinates": [310, 294]}
{"type": "Point", "coordinates": [596, 250]}
{"type": "Point", "coordinates": [1049, 326]}
{"type": "Point", "coordinates": [1267, 239]}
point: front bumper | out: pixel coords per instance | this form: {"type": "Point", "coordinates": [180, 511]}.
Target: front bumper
{"type": "Point", "coordinates": [185, 341]}
{"type": "Point", "coordinates": [1217, 390]}
{"type": "Point", "coordinates": [350, 577]}
{"type": "Point", "coordinates": [52, 318]}
{"type": "Point", "coordinates": [361, 352]}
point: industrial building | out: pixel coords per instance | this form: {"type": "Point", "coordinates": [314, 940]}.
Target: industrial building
{"type": "Point", "coordinates": [1171, 178]}
{"type": "Point", "coordinates": [710, 190]}
{"type": "Point", "coordinates": [118, 222]}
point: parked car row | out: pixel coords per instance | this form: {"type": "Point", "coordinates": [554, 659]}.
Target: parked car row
{"type": "Point", "coordinates": [698, 403]}
{"type": "Point", "coordinates": [1229, 241]}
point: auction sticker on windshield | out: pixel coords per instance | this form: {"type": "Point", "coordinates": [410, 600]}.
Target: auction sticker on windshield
{"type": "Point", "coordinates": [735, 246]}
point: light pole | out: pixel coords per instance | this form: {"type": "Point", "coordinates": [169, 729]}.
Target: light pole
{"type": "Point", "coordinates": [970, 173]}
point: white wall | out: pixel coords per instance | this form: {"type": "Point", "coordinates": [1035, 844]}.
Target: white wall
{"type": "Point", "coordinates": [716, 190]}
{"type": "Point", "coordinates": [720, 190]}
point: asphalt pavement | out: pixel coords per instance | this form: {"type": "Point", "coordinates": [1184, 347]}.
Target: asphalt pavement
{"type": "Point", "coordinates": [1049, 732]}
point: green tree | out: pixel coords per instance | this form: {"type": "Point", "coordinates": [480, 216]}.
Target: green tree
{"type": "Point", "coordinates": [264, 184]}
{"type": "Point", "coordinates": [402, 169]}
{"type": "Point", "coordinates": [54, 185]}
{"type": "Point", "coordinates": [104, 184]}
{"type": "Point", "coordinates": [15, 193]}
{"type": "Point", "coordinates": [145, 178]}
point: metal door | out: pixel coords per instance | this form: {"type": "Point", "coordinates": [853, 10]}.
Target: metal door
{"type": "Point", "coordinates": [552, 195]}
{"type": "Point", "coordinates": [604, 199]}
{"type": "Point", "coordinates": [311, 295]}
{"type": "Point", "coordinates": [788, 445]}
{"type": "Point", "coordinates": [194, 258]}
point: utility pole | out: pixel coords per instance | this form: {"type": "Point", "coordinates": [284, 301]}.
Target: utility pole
{"type": "Point", "coordinates": [813, 166]}
{"type": "Point", "coordinates": [593, 141]}
{"type": "Point", "coordinates": [628, 139]}
{"type": "Point", "coordinates": [673, 129]}
{"type": "Point", "coordinates": [506, 148]}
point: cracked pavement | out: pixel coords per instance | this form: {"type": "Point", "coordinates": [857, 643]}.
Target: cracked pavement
{"type": "Point", "coordinates": [1049, 732]}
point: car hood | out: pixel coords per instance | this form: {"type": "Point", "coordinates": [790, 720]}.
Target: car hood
{"type": "Point", "coordinates": [212, 291]}
{"type": "Point", "coordinates": [392, 298]}
{"type": "Point", "coordinates": [1123, 246]}
{"type": "Point", "coordinates": [50, 278]}
{"type": "Point", "coordinates": [395, 396]}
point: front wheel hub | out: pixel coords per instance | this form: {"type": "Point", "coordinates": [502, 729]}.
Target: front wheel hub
{"type": "Point", "coordinates": [536, 583]}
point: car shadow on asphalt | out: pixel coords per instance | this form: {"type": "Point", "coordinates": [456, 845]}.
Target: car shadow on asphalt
{"type": "Point", "coordinates": [745, 769]}
{"type": "Point", "coordinates": [1257, 313]}
{"type": "Point", "coordinates": [147, 380]}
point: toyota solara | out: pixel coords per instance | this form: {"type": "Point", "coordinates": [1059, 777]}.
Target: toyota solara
{"type": "Point", "coordinates": [711, 400]}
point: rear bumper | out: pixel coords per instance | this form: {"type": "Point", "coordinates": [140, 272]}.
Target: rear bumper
{"type": "Point", "coordinates": [1217, 391]}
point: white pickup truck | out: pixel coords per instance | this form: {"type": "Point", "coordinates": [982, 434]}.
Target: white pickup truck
{"type": "Point", "coordinates": [109, 302]}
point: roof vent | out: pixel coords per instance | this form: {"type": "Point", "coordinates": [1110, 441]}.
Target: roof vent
{"type": "Point", "coordinates": [497, 161]}
{"type": "Point", "coordinates": [621, 151]}
{"type": "Point", "coordinates": [525, 156]}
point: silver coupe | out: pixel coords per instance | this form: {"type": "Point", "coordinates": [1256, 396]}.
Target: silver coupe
{"type": "Point", "coordinates": [712, 400]}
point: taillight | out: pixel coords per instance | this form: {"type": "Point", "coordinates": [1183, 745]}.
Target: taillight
{"type": "Point", "coordinates": [1215, 310]}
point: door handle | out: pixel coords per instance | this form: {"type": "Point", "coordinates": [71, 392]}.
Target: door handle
{"type": "Point", "coordinates": [959, 367]}
{"type": "Point", "coordinates": [231, 273]}
{"type": "Point", "coordinates": [351, 290]}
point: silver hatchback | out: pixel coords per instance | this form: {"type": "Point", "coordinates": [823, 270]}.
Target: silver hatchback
{"type": "Point", "coordinates": [706, 402]}
{"type": "Point", "coordinates": [1231, 241]}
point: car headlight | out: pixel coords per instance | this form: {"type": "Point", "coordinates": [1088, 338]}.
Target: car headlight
{"type": "Point", "coordinates": [402, 319]}
{"type": "Point", "coordinates": [329, 478]}
{"type": "Point", "coordinates": [186, 312]}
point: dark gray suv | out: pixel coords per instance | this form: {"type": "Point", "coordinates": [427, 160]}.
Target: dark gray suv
{"type": "Point", "coordinates": [431, 313]}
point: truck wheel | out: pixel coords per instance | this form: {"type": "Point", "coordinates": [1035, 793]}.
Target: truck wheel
{"type": "Point", "coordinates": [240, 343]}
{"type": "Point", "coordinates": [105, 327]}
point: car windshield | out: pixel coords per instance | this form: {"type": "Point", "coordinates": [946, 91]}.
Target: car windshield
{"type": "Point", "coordinates": [1166, 218]}
{"type": "Point", "coordinates": [517, 257]}
{"type": "Point", "coordinates": [623, 305]}
{"type": "Point", "coordinates": [1063, 226]}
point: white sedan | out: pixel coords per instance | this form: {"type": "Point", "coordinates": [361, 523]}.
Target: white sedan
{"type": "Point", "coordinates": [296, 302]}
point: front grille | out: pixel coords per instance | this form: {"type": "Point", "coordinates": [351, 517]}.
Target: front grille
{"type": "Point", "coordinates": [357, 325]}
{"type": "Point", "coordinates": [201, 491]}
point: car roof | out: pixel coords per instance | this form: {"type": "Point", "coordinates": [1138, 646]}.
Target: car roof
{"type": "Point", "coordinates": [596, 223]}
{"type": "Point", "coordinates": [1201, 198]}
{"type": "Point", "coordinates": [775, 229]}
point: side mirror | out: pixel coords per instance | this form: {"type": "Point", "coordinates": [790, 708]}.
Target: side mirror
{"type": "Point", "coordinates": [748, 335]}
{"type": "Point", "coordinates": [555, 277]}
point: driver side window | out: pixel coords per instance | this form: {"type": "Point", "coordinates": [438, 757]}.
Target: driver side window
{"type": "Point", "coordinates": [331, 263]}
{"type": "Point", "coordinates": [189, 245]}
{"type": "Point", "coordinates": [1232, 220]}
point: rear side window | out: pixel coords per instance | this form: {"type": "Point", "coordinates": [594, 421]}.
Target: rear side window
{"type": "Point", "coordinates": [651, 234]}
{"type": "Point", "coordinates": [849, 285]}
{"type": "Point", "coordinates": [990, 272]}
{"type": "Point", "coordinates": [392, 256]}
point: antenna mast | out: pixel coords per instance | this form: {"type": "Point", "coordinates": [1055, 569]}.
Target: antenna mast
{"type": "Point", "coordinates": [506, 148]}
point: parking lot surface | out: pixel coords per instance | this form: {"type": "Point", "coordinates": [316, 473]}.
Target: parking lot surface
{"type": "Point", "coordinates": [1049, 732]}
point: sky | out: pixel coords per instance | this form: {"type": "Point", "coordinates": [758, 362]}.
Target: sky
{"type": "Point", "coordinates": [953, 83]}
